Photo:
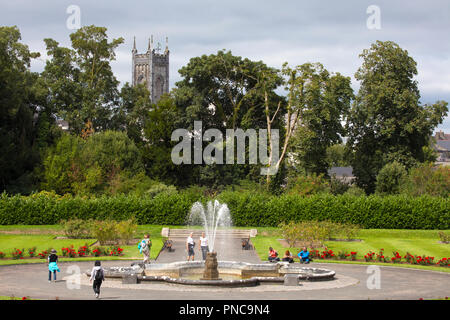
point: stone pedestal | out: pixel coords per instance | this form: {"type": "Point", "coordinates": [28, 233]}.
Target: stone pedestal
{"type": "Point", "coordinates": [291, 280]}
{"type": "Point", "coordinates": [129, 279]}
{"type": "Point", "coordinates": [211, 272]}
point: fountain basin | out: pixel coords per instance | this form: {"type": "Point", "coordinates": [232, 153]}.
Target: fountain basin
{"type": "Point", "coordinates": [232, 273]}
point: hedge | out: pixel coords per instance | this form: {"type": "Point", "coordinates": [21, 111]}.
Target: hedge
{"type": "Point", "coordinates": [247, 209]}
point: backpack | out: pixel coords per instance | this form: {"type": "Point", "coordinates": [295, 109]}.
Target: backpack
{"type": "Point", "coordinates": [99, 275]}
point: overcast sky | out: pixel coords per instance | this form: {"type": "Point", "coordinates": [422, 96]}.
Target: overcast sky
{"type": "Point", "coordinates": [331, 32]}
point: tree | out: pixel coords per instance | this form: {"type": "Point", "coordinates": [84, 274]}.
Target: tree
{"type": "Point", "coordinates": [82, 86]}
{"type": "Point", "coordinates": [25, 127]}
{"type": "Point", "coordinates": [133, 112]}
{"type": "Point", "coordinates": [226, 92]}
{"type": "Point", "coordinates": [163, 118]}
{"type": "Point", "coordinates": [324, 104]}
{"type": "Point", "coordinates": [390, 178]}
{"type": "Point", "coordinates": [387, 122]}
{"type": "Point", "coordinates": [101, 163]}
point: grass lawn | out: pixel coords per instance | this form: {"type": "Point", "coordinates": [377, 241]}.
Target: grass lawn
{"type": "Point", "coordinates": [417, 242]}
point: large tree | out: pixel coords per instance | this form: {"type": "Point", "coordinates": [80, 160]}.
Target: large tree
{"type": "Point", "coordinates": [26, 125]}
{"type": "Point", "coordinates": [226, 92]}
{"type": "Point", "coordinates": [80, 81]}
{"type": "Point", "coordinates": [324, 102]}
{"type": "Point", "coordinates": [387, 121]}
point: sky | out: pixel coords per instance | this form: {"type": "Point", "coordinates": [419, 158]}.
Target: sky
{"type": "Point", "coordinates": [331, 32]}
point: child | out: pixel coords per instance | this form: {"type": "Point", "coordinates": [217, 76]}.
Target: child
{"type": "Point", "coordinates": [144, 248]}
{"type": "Point", "coordinates": [52, 265]}
{"type": "Point", "coordinates": [98, 276]}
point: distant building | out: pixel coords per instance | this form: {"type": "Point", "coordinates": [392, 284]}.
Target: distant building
{"type": "Point", "coordinates": [442, 146]}
{"type": "Point", "coordinates": [344, 174]}
{"type": "Point", "coordinates": [63, 124]}
{"type": "Point", "coordinates": [151, 68]}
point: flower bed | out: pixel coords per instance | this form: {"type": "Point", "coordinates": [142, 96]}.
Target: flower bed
{"type": "Point", "coordinates": [67, 252]}
{"type": "Point", "coordinates": [380, 257]}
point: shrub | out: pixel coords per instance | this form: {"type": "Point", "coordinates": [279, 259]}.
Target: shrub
{"type": "Point", "coordinates": [247, 209]}
{"type": "Point", "coordinates": [32, 252]}
{"type": "Point", "coordinates": [77, 228]}
{"type": "Point", "coordinates": [390, 178]}
{"type": "Point", "coordinates": [369, 256]}
{"type": "Point", "coordinates": [116, 251]}
{"type": "Point", "coordinates": [105, 231]}
{"type": "Point", "coordinates": [444, 262]}
{"type": "Point", "coordinates": [444, 237]}
{"type": "Point", "coordinates": [397, 258]}
{"type": "Point", "coordinates": [424, 260]}
{"type": "Point", "coordinates": [410, 258]}
{"type": "Point", "coordinates": [305, 185]}
{"type": "Point", "coordinates": [428, 179]}
{"type": "Point", "coordinates": [310, 232]}
{"type": "Point", "coordinates": [381, 257]}
{"type": "Point", "coordinates": [2, 255]}
{"type": "Point", "coordinates": [43, 254]}
{"type": "Point", "coordinates": [343, 255]}
{"type": "Point", "coordinates": [355, 191]}
{"type": "Point", "coordinates": [126, 230]}
{"type": "Point", "coordinates": [337, 186]}
{"type": "Point", "coordinates": [69, 252]}
{"type": "Point", "coordinates": [17, 254]}
{"type": "Point", "coordinates": [84, 251]}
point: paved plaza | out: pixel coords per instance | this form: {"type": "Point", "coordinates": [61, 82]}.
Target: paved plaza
{"type": "Point", "coordinates": [350, 283]}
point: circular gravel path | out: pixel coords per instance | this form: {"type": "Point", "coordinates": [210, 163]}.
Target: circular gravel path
{"type": "Point", "coordinates": [351, 283]}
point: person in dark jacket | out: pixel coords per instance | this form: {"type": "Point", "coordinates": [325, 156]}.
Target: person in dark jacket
{"type": "Point", "coordinates": [52, 265]}
{"type": "Point", "coordinates": [98, 276]}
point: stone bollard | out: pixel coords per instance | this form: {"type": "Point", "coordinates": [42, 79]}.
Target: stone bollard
{"type": "Point", "coordinates": [129, 279]}
{"type": "Point", "coordinates": [291, 280]}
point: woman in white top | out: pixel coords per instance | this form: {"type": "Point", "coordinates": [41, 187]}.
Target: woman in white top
{"type": "Point", "coordinates": [204, 245]}
{"type": "Point", "coordinates": [190, 247]}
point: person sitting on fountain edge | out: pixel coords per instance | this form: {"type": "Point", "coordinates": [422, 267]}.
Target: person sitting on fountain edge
{"type": "Point", "coordinates": [304, 255]}
{"type": "Point", "coordinates": [273, 255]}
{"type": "Point", "coordinates": [288, 257]}
{"type": "Point", "coordinates": [190, 244]}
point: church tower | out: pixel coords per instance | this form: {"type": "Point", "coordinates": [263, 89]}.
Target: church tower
{"type": "Point", "coordinates": [151, 68]}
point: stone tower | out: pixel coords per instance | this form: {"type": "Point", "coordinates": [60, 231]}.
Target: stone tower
{"type": "Point", "coordinates": [151, 68]}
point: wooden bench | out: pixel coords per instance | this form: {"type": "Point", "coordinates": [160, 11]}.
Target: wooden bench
{"type": "Point", "coordinates": [233, 233]}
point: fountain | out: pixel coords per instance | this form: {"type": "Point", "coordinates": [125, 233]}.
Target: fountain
{"type": "Point", "coordinates": [216, 215]}
{"type": "Point", "coordinates": [233, 273]}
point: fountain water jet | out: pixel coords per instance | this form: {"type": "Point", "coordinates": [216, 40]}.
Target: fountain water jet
{"type": "Point", "coordinates": [216, 215]}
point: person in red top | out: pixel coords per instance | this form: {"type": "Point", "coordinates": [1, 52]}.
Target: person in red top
{"type": "Point", "coordinates": [273, 255]}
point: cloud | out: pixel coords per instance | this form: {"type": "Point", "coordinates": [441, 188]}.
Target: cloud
{"type": "Point", "coordinates": [331, 32]}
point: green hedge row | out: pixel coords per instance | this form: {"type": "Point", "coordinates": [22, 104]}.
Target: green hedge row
{"type": "Point", "coordinates": [247, 209]}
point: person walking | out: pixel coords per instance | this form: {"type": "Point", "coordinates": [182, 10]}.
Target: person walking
{"type": "Point", "coordinates": [144, 248]}
{"type": "Point", "coordinates": [98, 276]}
{"type": "Point", "coordinates": [190, 244]}
{"type": "Point", "coordinates": [204, 245]}
{"type": "Point", "coordinates": [52, 262]}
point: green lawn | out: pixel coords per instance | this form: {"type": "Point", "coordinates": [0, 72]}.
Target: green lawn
{"type": "Point", "coordinates": [417, 242]}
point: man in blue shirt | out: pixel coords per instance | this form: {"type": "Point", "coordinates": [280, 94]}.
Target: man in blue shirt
{"type": "Point", "coordinates": [304, 255]}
